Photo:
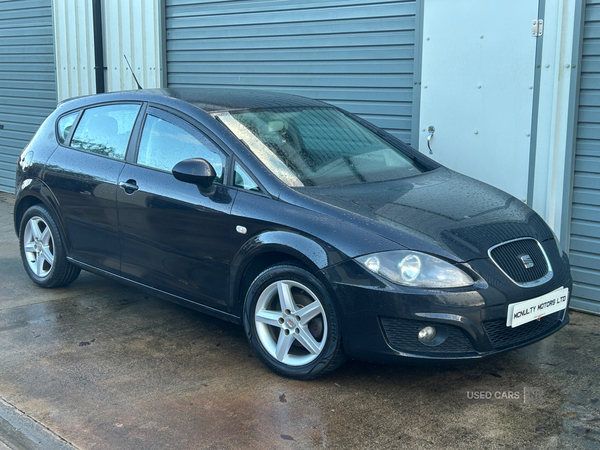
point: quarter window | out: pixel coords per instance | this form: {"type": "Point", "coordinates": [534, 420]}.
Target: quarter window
{"type": "Point", "coordinates": [64, 126]}
{"type": "Point", "coordinates": [105, 130]}
{"type": "Point", "coordinates": [243, 180]}
{"type": "Point", "coordinates": [164, 144]}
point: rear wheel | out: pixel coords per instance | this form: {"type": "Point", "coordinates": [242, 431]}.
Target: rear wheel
{"type": "Point", "coordinates": [42, 250]}
{"type": "Point", "coordinates": [291, 323]}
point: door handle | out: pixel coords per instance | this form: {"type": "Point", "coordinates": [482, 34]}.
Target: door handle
{"type": "Point", "coordinates": [430, 130]}
{"type": "Point", "coordinates": [129, 186]}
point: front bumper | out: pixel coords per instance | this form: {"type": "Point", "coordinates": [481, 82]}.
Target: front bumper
{"type": "Point", "coordinates": [380, 320]}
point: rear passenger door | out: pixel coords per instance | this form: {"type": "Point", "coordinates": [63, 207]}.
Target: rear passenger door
{"type": "Point", "coordinates": [82, 174]}
{"type": "Point", "coordinates": [173, 237]}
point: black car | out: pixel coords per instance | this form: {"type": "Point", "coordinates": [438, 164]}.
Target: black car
{"type": "Point", "coordinates": [322, 234]}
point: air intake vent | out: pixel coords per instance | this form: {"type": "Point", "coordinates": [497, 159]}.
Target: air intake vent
{"type": "Point", "coordinates": [523, 261]}
{"type": "Point", "coordinates": [402, 336]}
{"type": "Point", "coordinates": [503, 337]}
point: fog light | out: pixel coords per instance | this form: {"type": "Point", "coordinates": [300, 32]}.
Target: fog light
{"type": "Point", "coordinates": [427, 334]}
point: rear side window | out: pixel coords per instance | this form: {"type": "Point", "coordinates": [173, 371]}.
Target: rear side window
{"type": "Point", "coordinates": [105, 130]}
{"type": "Point", "coordinates": [164, 144]}
{"type": "Point", "coordinates": [64, 126]}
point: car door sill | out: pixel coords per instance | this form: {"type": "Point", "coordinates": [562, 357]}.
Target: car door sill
{"type": "Point", "coordinates": [159, 293]}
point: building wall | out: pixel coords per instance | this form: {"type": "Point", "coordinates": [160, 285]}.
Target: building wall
{"type": "Point", "coordinates": [356, 54]}
{"type": "Point", "coordinates": [74, 44]}
{"type": "Point", "coordinates": [477, 88]}
{"type": "Point", "coordinates": [584, 246]}
{"type": "Point", "coordinates": [27, 78]}
{"type": "Point", "coordinates": [558, 70]}
{"type": "Point", "coordinates": [130, 28]}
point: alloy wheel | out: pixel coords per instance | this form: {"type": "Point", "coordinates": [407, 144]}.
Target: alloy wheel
{"type": "Point", "coordinates": [291, 323]}
{"type": "Point", "coordinates": [38, 245]}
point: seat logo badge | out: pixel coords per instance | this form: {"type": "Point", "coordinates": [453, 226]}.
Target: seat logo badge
{"type": "Point", "coordinates": [527, 261]}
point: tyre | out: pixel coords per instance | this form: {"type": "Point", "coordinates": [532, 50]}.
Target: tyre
{"type": "Point", "coordinates": [292, 324]}
{"type": "Point", "coordinates": [42, 250]}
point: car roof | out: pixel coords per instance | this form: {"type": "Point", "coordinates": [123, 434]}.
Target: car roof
{"type": "Point", "coordinates": [213, 100]}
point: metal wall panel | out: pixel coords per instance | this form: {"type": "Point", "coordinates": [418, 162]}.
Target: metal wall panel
{"type": "Point", "coordinates": [358, 55]}
{"type": "Point", "coordinates": [27, 78]}
{"type": "Point", "coordinates": [129, 28]}
{"type": "Point", "coordinates": [132, 28]}
{"type": "Point", "coordinates": [585, 209]}
{"type": "Point", "coordinates": [478, 77]}
{"type": "Point", "coordinates": [74, 43]}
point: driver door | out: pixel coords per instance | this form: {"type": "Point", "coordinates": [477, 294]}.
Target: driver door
{"type": "Point", "coordinates": [174, 238]}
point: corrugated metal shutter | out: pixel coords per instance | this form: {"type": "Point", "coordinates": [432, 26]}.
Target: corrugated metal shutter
{"type": "Point", "coordinates": [27, 78]}
{"type": "Point", "coordinates": [358, 55]}
{"type": "Point", "coordinates": [585, 212]}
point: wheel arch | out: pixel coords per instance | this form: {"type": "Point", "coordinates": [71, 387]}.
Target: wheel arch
{"type": "Point", "coordinates": [270, 248]}
{"type": "Point", "coordinates": [37, 193]}
{"type": "Point", "coordinates": [23, 205]}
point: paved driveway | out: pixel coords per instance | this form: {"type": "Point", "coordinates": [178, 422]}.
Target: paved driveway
{"type": "Point", "coordinates": [98, 365]}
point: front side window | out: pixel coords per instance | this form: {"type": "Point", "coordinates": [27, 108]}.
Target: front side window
{"type": "Point", "coordinates": [164, 144]}
{"type": "Point", "coordinates": [64, 126]}
{"type": "Point", "coordinates": [318, 147]}
{"type": "Point", "coordinates": [105, 130]}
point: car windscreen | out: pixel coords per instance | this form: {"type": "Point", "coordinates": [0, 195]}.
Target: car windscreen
{"type": "Point", "coordinates": [318, 146]}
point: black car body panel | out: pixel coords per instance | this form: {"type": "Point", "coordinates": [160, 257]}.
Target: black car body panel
{"type": "Point", "coordinates": [368, 298]}
{"type": "Point", "coordinates": [85, 187]}
{"type": "Point", "coordinates": [178, 242]}
{"type": "Point", "coordinates": [429, 211]}
{"type": "Point", "coordinates": [174, 237]}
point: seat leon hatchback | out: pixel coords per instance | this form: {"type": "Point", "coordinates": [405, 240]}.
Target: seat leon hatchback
{"type": "Point", "coordinates": [321, 234]}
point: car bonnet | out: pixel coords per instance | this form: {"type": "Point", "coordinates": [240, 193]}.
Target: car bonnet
{"type": "Point", "coordinates": [440, 212]}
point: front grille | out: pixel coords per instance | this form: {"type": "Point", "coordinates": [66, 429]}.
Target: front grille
{"type": "Point", "coordinates": [509, 256]}
{"type": "Point", "coordinates": [504, 337]}
{"type": "Point", "coordinates": [402, 336]}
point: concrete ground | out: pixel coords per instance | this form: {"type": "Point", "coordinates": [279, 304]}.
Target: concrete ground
{"type": "Point", "coordinates": [98, 365]}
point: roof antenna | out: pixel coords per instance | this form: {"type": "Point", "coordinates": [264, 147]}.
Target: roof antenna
{"type": "Point", "coordinates": [136, 81]}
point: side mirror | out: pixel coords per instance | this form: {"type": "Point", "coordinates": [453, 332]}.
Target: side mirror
{"type": "Point", "coordinates": [196, 171]}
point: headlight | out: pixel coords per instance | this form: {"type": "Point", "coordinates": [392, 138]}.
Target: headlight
{"type": "Point", "coordinates": [415, 269]}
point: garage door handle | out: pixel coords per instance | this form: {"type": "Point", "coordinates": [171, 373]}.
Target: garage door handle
{"type": "Point", "coordinates": [129, 186]}
{"type": "Point", "coordinates": [430, 130]}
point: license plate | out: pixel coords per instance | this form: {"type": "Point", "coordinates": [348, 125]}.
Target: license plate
{"type": "Point", "coordinates": [536, 308]}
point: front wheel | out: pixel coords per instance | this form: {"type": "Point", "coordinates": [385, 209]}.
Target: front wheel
{"type": "Point", "coordinates": [42, 250]}
{"type": "Point", "coordinates": [291, 323]}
